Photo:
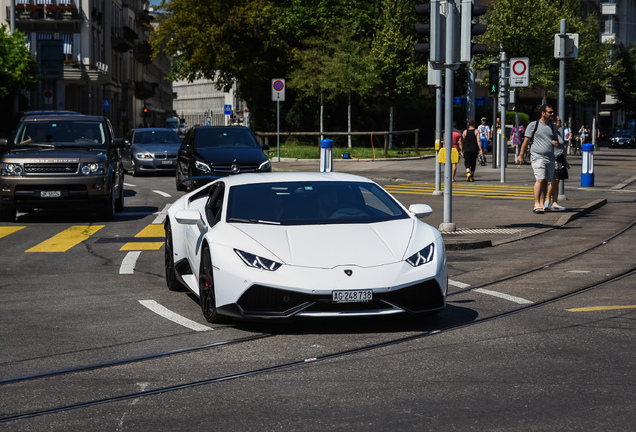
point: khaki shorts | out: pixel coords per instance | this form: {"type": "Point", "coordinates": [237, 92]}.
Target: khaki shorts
{"type": "Point", "coordinates": [543, 169]}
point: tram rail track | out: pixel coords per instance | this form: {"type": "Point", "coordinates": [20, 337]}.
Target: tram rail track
{"type": "Point", "coordinates": [302, 361]}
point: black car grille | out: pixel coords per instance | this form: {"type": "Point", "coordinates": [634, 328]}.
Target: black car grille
{"type": "Point", "coordinates": [264, 301]}
{"type": "Point", "coordinates": [227, 169]}
{"type": "Point", "coordinates": [51, 168]}
{"type": "Point", "coordinates": [165, 156]}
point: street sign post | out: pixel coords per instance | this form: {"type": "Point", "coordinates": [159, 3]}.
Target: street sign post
{"type": "Point", "coordinates": [519, 72]}
{"type": "Point", "coordinates": [278, 96]}
{"type": "Point", "coordinates": [278, 90]}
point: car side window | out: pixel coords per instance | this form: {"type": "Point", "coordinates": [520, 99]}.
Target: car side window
{"type": "Point", "coordinates": [214, 206]}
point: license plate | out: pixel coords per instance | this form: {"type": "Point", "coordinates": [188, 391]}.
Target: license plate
{"type": "Point", "coordinates": [50, 194]}
{"type": "Point", "coordinates": [167, 162]}
{"type": "Point", "coordinates": [353, 296]}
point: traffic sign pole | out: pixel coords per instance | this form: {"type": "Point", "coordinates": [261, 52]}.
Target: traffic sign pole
{"type": "Point", "coordinates": [278, 95]}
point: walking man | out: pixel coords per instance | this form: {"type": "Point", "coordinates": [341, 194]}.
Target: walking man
{"type": "Point", "coordinates": [544, 139]}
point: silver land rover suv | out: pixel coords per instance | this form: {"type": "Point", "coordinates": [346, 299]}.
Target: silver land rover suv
{"type": "Point", "coordinates": [62, 161]}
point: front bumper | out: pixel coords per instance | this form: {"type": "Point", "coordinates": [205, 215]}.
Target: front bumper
{"type": "Point", "coordinates": [29, 193]}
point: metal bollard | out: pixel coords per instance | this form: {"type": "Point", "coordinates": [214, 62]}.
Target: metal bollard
{"type": "Point", "coordinates": [587, 167]}
{"type": "Point", "coordinates": [326, 155]}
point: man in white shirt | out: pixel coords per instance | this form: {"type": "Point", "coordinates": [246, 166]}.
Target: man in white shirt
{"type": "Point", "coordinates": [484, 133]}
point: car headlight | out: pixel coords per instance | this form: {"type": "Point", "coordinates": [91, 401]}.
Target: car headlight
{"type": "Point", "coordinates": [145, 155]}
{"type": "Point", "coordinates": [257, 262]}
{"type": "Point", "coordinates": [12, 169]}
{"type": "Point", "coordinates": [202, 166]}
{"type": "Point", "coordinates": [265, 166]}
{"type": "Point", "coordinates": [423, 256]}
{"type": "Point", "coordinates": [88, 168]}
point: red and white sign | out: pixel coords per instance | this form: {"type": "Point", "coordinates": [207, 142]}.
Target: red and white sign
{"type": "Point", "coordinates": [519, 72]}
{"type": "Point", "coordinates": [278, 89]}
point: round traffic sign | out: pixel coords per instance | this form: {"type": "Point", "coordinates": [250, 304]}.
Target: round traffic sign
{"type": "Point", "coordinates": [279, 85]}
{"type": "Point", "coordinates": [519, 67]}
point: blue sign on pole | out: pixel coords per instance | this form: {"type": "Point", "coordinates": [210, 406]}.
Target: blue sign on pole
{"type": "Point", "coordinates": [228, 109]}
{"type": "Point", "coordinates": [106, 104]}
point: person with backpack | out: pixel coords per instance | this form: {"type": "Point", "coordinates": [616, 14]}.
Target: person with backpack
{"type": "Point", "coordinates": [470, 148]}
{"type": "Point", "coordinates": [544, 139]}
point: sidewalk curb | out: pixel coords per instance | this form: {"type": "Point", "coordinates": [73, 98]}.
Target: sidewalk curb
{"type": "Point", "coordinates": [456, 245]}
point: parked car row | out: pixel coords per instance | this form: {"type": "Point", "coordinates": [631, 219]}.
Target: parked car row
{"type": "Point", "coordinates": [63, 159]}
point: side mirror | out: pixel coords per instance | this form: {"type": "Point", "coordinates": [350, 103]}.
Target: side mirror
{"type": "Point", "coordinates": [420, 210]}
{"type": "Point", "coordinates": [119, 143]}
{"type": "Point", "coordinates": [265, 146]}
{"type": "Point", "coordinates": [190, 217]}
{"type": "Point", "coordinates": [4, 143]}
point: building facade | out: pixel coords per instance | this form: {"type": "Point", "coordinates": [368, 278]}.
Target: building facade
{"type": "Point", "coordinates": [200, 103]}
{"type": "Point", "coordinates": [94, 58]}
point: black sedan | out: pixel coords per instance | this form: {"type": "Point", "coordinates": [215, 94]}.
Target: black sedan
{"type": "Point", "coordinates": [623, 138]}
{"type": "Point", "coordinates": [218, 151]}
{"type": "Point", "coordinates": [150, 150]}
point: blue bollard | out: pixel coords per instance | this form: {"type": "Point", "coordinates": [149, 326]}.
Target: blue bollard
{"type": "Point", "coordinates": [326, 155]}
{"type": "Point", "coordinates": [587, 167]}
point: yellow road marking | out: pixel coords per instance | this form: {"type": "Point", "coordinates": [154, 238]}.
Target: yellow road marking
{"type": "Point", "coordinates": [488, 191]}
{"type": "Point", "coordinates": [5, 231]}
{"type": "Point", "coordinates": [66, 239]}
{"type": "Point", "coordinates": [138, 246]}
{"type": "Point", "coordinates": [599, 308]}
{"type": "Point", "coordinates": [152, 230]}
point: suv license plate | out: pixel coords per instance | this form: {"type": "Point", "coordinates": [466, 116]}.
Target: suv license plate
{"type": "Point", "coordinates": [353, 296]}
{"type": "Point", "coordinates": [50, 194]}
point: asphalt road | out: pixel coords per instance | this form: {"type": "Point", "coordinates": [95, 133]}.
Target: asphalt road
{"type": "Point", "coordinates": [542, 343]}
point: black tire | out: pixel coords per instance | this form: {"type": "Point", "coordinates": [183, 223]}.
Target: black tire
{"type": "Point", "coordinates": [7, 213]}
{"type": "Point", "coordinates": [207, 298]}
{"type": "Point", "coordinates": [171, 273]}
{"type": "Point", "coordinates": [119, 202]}
{"type": "Point", "coordinates": [107, 209]}
{"type": "Point", "coordinates": [180, 186]}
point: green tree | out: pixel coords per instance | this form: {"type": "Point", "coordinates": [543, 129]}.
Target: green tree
{"type": "Point", "coordinates": [526, 28]}
{"type": "Point", "coordinates": [224, 42]}
{"type": "Point", "coordinates": [624, 82]}
{"type": "Point", "coordinates": [398, 73]}
{"type": "Point", "coordinates": [15, 63]}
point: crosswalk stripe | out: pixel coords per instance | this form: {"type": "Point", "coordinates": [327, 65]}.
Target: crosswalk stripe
{"type": "Point", "coordinates": [486, 191]}
{"type": "Point", "coordinates": [5, 231]}
{"type": "Point", "coordinates": [66, 239]}
{"type": "Point", "coordinates": [153, 231]}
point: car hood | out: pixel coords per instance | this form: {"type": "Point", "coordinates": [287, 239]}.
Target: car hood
{"type": "Point", "coordinates": [69, 153]}
{"type": "Point", "coordinates": [327, 246]}
{"type": "Point", "coordinates": [224, 156]}
{"type": "Point", "coordinates": [157, 148]}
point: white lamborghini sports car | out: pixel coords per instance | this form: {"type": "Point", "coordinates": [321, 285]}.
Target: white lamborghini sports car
{"type": "Point", "coordinates": [284, 245]}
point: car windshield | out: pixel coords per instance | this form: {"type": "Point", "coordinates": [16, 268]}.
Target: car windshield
{"type": "Point", "coordinates": [623, 132]}
{"type": "Point", "coordinates": [309, 203]}
{"type": "Point", "coordinates": [59, 132]}
{"type": "Point", "coordinates": [226, 138]}
{"type": "Point", "coordinates": [157, 137]}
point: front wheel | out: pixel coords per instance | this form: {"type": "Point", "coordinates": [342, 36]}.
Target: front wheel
{"type": "Point", "coordinates": [207, 298]}
{"type": "Point", "coordinates": [107, 210]}
{"type": "Point", "coordinates": [7, 213]}
{"type": "Point", "coordinates": [171, 273]}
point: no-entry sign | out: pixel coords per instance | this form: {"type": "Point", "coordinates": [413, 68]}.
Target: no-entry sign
{"type": "Point", "coordinates": [278, 89]}
{"type": "Point", "coordinates": [519, 72]}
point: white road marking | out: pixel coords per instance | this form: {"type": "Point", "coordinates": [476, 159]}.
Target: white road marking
{"type": "Point", "coordinates": [162, 193]}
{"type": "Point", "coordinates": [129, 185]}
{"type": "Point", "coordinates": [457, 284]}
{"type": "Point", "coordinates": [128, 263]}
{"type": "Point", "coordinates": [161, 215]}
{"type": "Point", "coordinates": [514, 299]}
{"type": "Point", "coordinates": [174, 317]}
